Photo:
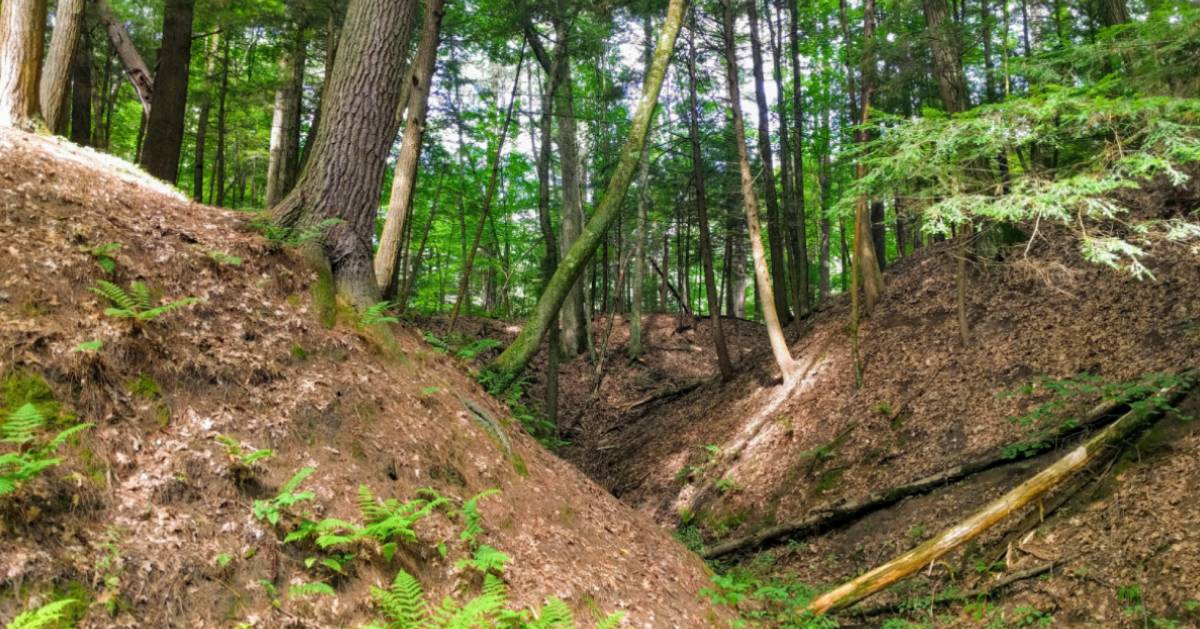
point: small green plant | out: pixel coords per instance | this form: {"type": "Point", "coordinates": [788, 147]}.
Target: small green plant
{"type": "Point", "coordinates": [89, 346]}
{"type": "Point", "coordinates": [48, 616]}
{"type": "Point", "coordinates": [243, 460]}
{"type": "Point", "coordinates": [225, 259]}
{"type": "Point", "coordinates": [32, 455]}
{"type": "Point", "coordinates": [302, 590]}
{"type": "Point", "coordinates": [473, 349]}
{"type": "Point", "coordinates": [1131, 596]}
{"type": "Point", "coordinates": [440, 346]}
{"type": "Point", "coordinates": [883, 408]}
{"type": "Point", "coordinates": [486, 560]}
{"type": "Point", "coordinates": [280, 236]}
{"type": "Point", "coordinates": [104, 256]}
{"type": "Point", "coordinates": [110, 568]}
{"type": "Point", "coordinates": [726, 485]}
{"type": "Point", "coordinates": [223, 560]}
{"type": "Point", "coordinates": [376, 315]}
{"type": "Point", "coordinates": [1029, 616]}
{"type": "Point", "coordinates": [137, 303]}
{"type": "Point", "coordinates": [271, 510]}
{"type": "Point", "coordinates": [916, 532]}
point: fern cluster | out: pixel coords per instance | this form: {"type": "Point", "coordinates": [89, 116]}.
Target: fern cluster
{"type": "Point", "coordinates": [31, 456]}
{"type": "Point", "coordinates": [137, 303]}
{"type": "Point", "coordinates": [48, 616]}
{"type": "Point", "coordinates": [377, 314]}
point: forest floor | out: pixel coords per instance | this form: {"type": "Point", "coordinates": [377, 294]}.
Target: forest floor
{"type": "Point", "coordinates": [726, 459]}
{"type": "Point", "coordinates": [149, 520]}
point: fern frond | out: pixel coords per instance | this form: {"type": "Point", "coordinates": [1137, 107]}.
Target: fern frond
{"type": "Point", "coordinates": [45, 616]}
{"type": "Point", "coordinates": [404, 603]}
{"type": "Point", "coordinates": [154, 313]}
{"type": "Point", "coordinates": [555, 614]}
{"type": "Point", "coordinates": [61, 438]}
{"type": "Point", "coordinates": [142, 294]}
{"type": "Point", "coordinates": [115, 294]}
{"type": "Point", "coordinates": [296, 479]}
{"type": "Point", "coordinates": [301, 590]}
{"type": "Point", "coordinates": [611, 621]}
{"type": "Point", "coordinates": [473, 520]}
{"type": "Point", "coordinates": [21, 424]}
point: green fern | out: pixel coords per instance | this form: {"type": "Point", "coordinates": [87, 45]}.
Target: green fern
{"type": "Point", "coordinates": [301, 590]}
{"type": "Point", "coordinates": [22, 424]}
{"type": "Point", "coordinates": [137, 303]}
{"type": "Point", "coordinates": [377, 314]}
{"type": "Point", "coordinates": [271, 510]}
{"type": "Point", "coordinates": [220, 257]}
{"type": "Point", "coordinates": [392, 520]}
{"type": "Point", "coordinates": [472, 520]}
{"type": "Point", "coordinates": [554, 615]}
{"type": "Point", "coordinates": [21, 428]}
{"type": "Point", "coordinates": [486, 560]}
{"type": "Point", "coordinates": [404, 603]}
{"type": "Point", "coordinates": [52, 614]}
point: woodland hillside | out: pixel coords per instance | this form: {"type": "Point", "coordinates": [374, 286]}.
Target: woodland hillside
{"type": "Point", "coordinates": [552, 314]}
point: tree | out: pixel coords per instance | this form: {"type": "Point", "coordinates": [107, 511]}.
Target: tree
{"type": "Point", "coordinates": [516, 357]}
{"type": "Point", "coordinates": [56, 74]}
{"type": "Point", "coordinates": [135, 67]}
{"type": "Point", "coordinates": [22, 36]}
{"type": "Point", "coordinates": [779, 346]}
{"type": "Point", "coordinates": [387, 259]}
{"type": "Point", "coordinates": [640, 236]}
{"type": "Point", "coordinates": [164, 125]}
{"type": "Point", "coordinates": [338, 190]}
{"type": "Point", "coordinates": [284, 162]}
{"type": "Point", "coordinates": [947, 56]}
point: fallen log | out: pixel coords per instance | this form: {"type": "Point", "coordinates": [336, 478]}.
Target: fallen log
{"type": "Point", "coordinates": [669, 394]}
{"type": "Point", "coordinates": [1138, 417]}
{"type": "Point", "coordinates": [826, 519]}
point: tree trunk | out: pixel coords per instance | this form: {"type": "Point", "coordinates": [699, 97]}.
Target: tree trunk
{"type": "Point", "coordinates": [706, 258]}
{"type": "Point", "coordinates": [56, 74]}
{"type": "Point", "coordinates": [800, 216]}
{"type": "Point", "coordinates": [218, 177]}
{"type": "Point", "coordinates": [879, 232]}
{"type": "Point", "coordinates": [521, 351]}
{"type": "Point", "coordinates": [797, 267]}
{"type": "Point", "coordinates": [865, 264]}
{"type": "Point", "coordinates": [767, 301]}
{"type": "Point", "coordinates": [641, 237]}
{"type": "Point", "coordinates": [342, 178]}
{"type": "Point", "coordinates": [135, 68]}
{"type": "Point", "coordinates": [283, 163]}
{"type": "Point", "coordinates": [1113, 12]}
{"type": "Point", "coordinates": [22, 37]}
{"type": "Point", "coordinates": [947, 56]}
{"type": "Point", "coordinates": [81, 92]}
{"type": "Point", "coordinates": [774, 222]}
{"type": "Point", "coordinates": [164, 127]}
{"type": "Point", "coordinates": [574, 325]}
{"type": "Point", "coordinates": [202, 120]}
{"type": "Point", "coordinates": [404, 181]}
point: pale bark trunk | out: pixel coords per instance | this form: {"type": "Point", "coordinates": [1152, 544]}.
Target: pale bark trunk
{"type": "Point", "coordinates": [399, 212]}
{"type": "Point", "coordinates": [641, 237]}
{"type": "Point", "coordinates": [56, 73]}
{"type": "Point", "coordinates": [135, 67]}
{"type": "Point", "coordinates": [285, 133]}
{"type": "Point", "coordinates": [779, 347]}
{"type": "Point", "coordinates": [574, 316]}
{"type": "Point", "coordinates": [22, 37]}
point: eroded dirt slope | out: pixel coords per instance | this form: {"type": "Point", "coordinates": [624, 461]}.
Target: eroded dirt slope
{"type": "Point", "coordinates": [144, 517]}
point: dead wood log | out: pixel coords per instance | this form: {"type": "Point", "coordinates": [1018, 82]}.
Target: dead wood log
{"type": "Point", "coordinates": [1139, 416]}
{"type": "Point", "coordinates": [669, 394]}
{"type": "Point", "coordinates": [825, 519]}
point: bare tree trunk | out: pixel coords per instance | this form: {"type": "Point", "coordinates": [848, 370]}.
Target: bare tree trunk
{"type": "Point", "coordinates": [135, 67]}
{"type": "Point", "coordinates": [342, 177]}
{"type": "Point", "coordinates": [574, 316]}
{"type": "Point", "coordinates": [218, 178]}
{"type": "Point", "coordinates": [164, 126]}
{"type": "Point", "coordinates": [405, 177]}
{"type": "Point", "coordinates": [800, 216]}
{"type": "Point", "coordinates": [514, 359]}
{"type": "Point", "coordinates": [214, 49]}
{"type": "Point", "coordinates": [779, 347]}
{"type": "Point", "coordinates": [81, 92]}
{"type": "Point", "coordinates": [56, 73]}
{"type": "Point", "coordinates": [865, 263]}
{"type": "Point", "coordinates": [22, 37]}
{"type": "Point", "coordinates": [641, 237]}
{"type": "Point", "coordinates": [947, 56]}
{"type": "Point", "coordinates": [283, 163]}
{"type": "Point", "coordinates": [790, 225]}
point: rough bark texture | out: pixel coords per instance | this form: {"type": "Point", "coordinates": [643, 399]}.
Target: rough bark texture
{"type": "Point", "coordinates": [164, 128]}
{"type": "Point", "coordinates": [947, 56]}
{"type": "Point", "coordinates": [387, 259]}
{"type": "Point", "coordinates": [202, 121]}
{"type": "Point", "coordinates": [521, 351]}
{"type": "Point", "coordinates": [775, 223]}
{"type": "Point", "coordinates": [865, 263]}
{"type": "Point", "coordinates": [766, 302]}
{"type": "Point", "coordinates": [574, 316]}
{"type": "Point", "coordinates": [345, 170]}
{"type": "Point", "coordinates": [640, 237]}
{"type": "Point", "coordinates": [56, 73]}
{"type": "Point", "coordinates": [135, 67]}
{"type": "Point", "coordinates": [800, 216]}
{"type": "Point", "coordinates": [81, 93]}
{"type": "Point", "coordinates": [22, 37]}
{"type": "Point", "coordinates": [284, 160]}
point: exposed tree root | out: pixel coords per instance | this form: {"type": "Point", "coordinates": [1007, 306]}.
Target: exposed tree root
{"type": "Point", "coordinates": [1079, 458]}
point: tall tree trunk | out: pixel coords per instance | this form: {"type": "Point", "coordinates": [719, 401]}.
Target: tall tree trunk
{"type": "Point", "coordinates": [800, 216]}
{"type": "Point", "coordinates": [198, 164]}
{"type": "Point", "coordinates": [164, 128]}
{"type": "Point", "coordinates": [767, 301]}
{"type": "Point", "coordinates": [640, 236]}
{"type": "Point", "coordinates": [1113, 12]}
{"type": "Point", "coordinates": [947, 56]}
{"type": "Point", "coordinates": [81, 92]}
{"type": "Point", "coordinates": [404, 181]}
{"type": "Point", "coordinates": [56, 74]}
{"type": "Point", "coordinates": [333, 33]}
{"type": "Point", "coordinates": [797, 267]}
{"type": "Point", "coordinates": [866, 259]}
{"type": "Point", "coordinates": [22, 37]}
{"type": "Point", "coordinates": [989, 64]}
{"type": "Point", "coordinates": [218, 176]}
{"type": "Point", "coordinates": [521, 351]}
{"type": "Point", "coordinates": [574, 316]}
{"type": "Point", "coordinates": [283, 162]}
{"type": "Point", "coordinates": [342, 178]}
{"type": "Point", "coordinates": [706, 257]}
{"type": "Point", "coordinates": [774, 223]}
{"type": "Point", "coordinates": [879, 232]}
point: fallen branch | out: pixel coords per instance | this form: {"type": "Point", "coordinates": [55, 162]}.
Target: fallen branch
{"type": "Point", "coordinates": [669, 394]}
{"type": "Point", "coordinates": [826, 519]}
{"type": "Point", "coordinates": [1139, 416]}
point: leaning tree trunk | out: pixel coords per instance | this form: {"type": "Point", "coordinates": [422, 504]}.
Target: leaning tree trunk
{"type": "Point", "coordinates": [779, 347]}
{"type": "Point", "coordinates": [387, 259]}
{"type": "Point", "coordinates": [775, 224]}
{"type": "Point", "coordinates": [284, 157]}
{"type": "Point", "coordinates": [56, 74]}
{"type": "Point", "coordinates": [706, 258]}
{"type": "Point", "coordinates": [135, 67]}
{"type": "Point", "coordinates": [22, 36]}
{"type": "Point", "coordinates": [164, 128]}
{"type": "Point", "coordinates": [514, 359]}
{"type": "Point", "coordinates": [340, 183]}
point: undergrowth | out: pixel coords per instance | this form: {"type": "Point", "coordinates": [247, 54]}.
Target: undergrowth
{"type": "Point", "coordinates": [31, 451]}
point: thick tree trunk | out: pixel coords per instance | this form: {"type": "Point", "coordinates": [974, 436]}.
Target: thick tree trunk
{"type": "Point", "coordinates": [22, 37]}
{"type": "Point", "coordinates": [342, 177]}
{"type": "Point", "coordinates": [81, 93]}
{"type": "Point", "coordinates": [767, 301]}
{"type": "Point", "coordinates": [775, 227]}
{"type": "Point", "coordinates": [574, 316]}
{"type": "Point", "coordinates": [866, 267]}
{"type": "Point", "coordinates": [387, 258]}
{"type": "Point", "coordinates": [641, 237]}
{"type": "Point", "coordinates": [164, 128]}
{"type": "Point", "coordinates": [135, 67]}
{"type": "Point", "coordinates": [947, 56]}
{"type": "Point", "coordinates": [56, 73]}
{"type": "Point", "coordinates": [283, 162]}
{"type": "Point", "coordinates": [514, 359]}
{"type": "Point", "coordinates": [706, 257]}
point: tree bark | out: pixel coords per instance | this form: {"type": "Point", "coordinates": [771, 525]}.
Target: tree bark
{"type": "Point", "coordinates": [387, 258]}
{"type": "Point", "coordinates": [801, 218]}
{"type": "Point", "coordinates": [22, 37]}
{"type": "Point", "coordinates": [574, 316]}
{"type": "Point", "coordinates": [81, 92]}
{"type": "Point", "coordinates": [218, 176]}
{"type": "Point", "coordinates": [517, 356]}
{"type": "Point", "coordinates": [56, 74]}
{"type": "Point", "coordinates": [135, 67]}
{"type": "Point", "coordinates": [198, 163]}
{"type": "Point", "coordinates": [947, 56]}
{"type": "Point", "coordinates": [284, 160]}
{"type": "Point", "coordinates": [164, 127]}
{"type": "Point", "coordinates": [767, 301]}
{"type": "Point", "coordinates": [706, 258]}
{"type": "Point", "coordinates": [641, 237]}
{"type": "Point", "coordinates": [341, 180]}
{"type": "Point", "coordinates": [865, 263]}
